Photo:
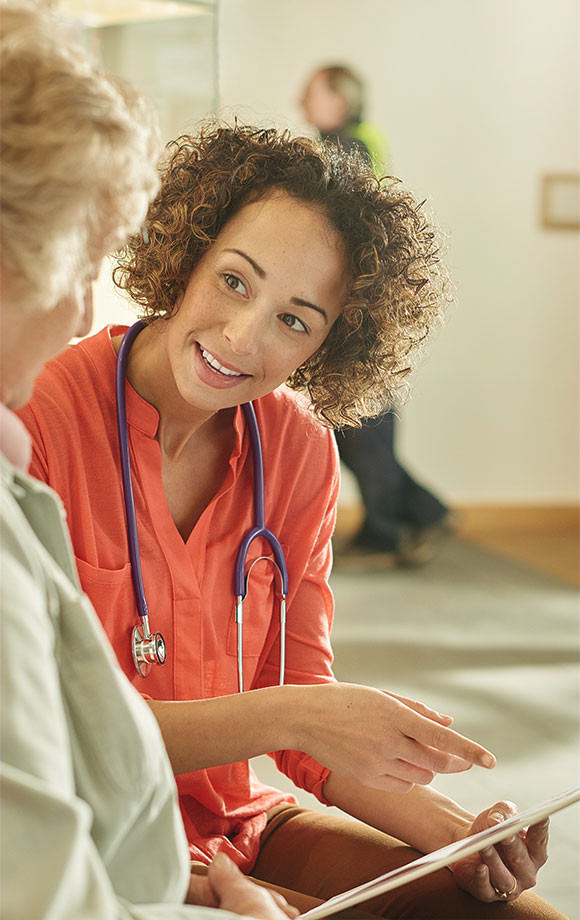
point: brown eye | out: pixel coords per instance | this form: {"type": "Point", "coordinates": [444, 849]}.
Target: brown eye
{"type": "Point", "coordinates": [293, 322]}
{"type": "Point", "coordinates": [234, 283]}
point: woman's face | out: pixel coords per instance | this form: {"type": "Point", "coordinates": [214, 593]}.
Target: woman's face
{"type": "Point", "coordinates": [261, 301]}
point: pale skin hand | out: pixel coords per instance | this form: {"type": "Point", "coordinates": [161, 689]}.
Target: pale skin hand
{"type": "Point", "coordinates": [381, 741]}
{"type": "Point", "coordinates": [226, 888]}
{"type": "Point", "coordinates": [377, 738]}
{"type": "Point", "coordinates": [512, 864]}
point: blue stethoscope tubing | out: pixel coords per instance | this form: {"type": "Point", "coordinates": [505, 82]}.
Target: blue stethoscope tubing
{"type": "Point", "coordinates": [149, 648]}
{"type": "Point", "coordinates": [258, 530]}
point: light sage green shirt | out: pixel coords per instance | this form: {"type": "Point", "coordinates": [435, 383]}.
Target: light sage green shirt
{"type": "Point", "coordinates": [90, 822]}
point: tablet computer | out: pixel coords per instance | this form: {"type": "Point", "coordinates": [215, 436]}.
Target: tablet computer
{"type": "Point", "coordinates": [443, 857]}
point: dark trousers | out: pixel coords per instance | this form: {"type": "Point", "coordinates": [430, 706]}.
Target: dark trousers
{"type": "Point", "coordinates": [392, 498]}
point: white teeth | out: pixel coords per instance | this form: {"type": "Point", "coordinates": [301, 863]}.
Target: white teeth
{"type": "Point", "coordinates": [216, 366]}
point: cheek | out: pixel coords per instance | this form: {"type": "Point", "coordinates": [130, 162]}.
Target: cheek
{"type": "Point", "coordinates": [197, 311]}
{"type": "Point", "coordinates": [74, 315]}
{"type": "Point", "coordinates": [299, 356]}
{"type": "Point", "coordinates": [316, 346]}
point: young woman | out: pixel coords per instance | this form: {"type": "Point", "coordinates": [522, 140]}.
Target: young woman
{"type": "Point", "coordinates": [264, 260]}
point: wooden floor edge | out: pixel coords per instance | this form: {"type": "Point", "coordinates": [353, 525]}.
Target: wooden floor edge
{"type": "Point", "coordinates": [475, 520]}
{"type": "Point", "coordinates": [525, 519]}
{"type": "Point", "coordinates": [543, 537]}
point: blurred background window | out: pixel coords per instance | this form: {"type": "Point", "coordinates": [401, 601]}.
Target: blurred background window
{"type": "Point", "coordinates": [166, 49]}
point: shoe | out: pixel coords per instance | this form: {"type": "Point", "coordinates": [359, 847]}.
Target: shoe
{"type": "Point", "coordinates": [421, 544]}
{"type": "Point", "coordinates": [352, 557]}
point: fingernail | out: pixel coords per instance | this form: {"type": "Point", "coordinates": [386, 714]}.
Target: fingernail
{"type": "Point", "coordinates": [488, 852]}
{"type": "Point", "coordinates": [481, 870]}
{"type": "Point", "coordinates": [511, 839]}
{"type": "Point", "coordinates": [487, 760]}
{"type": "Point", "coordinates": [496, 817]}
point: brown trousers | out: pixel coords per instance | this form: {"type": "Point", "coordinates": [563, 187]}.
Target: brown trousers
{"type": "Point", "coordinates": [307, 853]}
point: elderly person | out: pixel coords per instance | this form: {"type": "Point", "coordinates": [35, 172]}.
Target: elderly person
{"type": "Point", "coordinates": [90, 822]}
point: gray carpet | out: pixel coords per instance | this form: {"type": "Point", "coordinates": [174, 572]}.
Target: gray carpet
{"type": "Point", "coordinates": [495, 645]}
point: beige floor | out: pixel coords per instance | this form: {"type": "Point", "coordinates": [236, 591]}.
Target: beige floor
{"type": "Point", "coordinates": [494, 643]}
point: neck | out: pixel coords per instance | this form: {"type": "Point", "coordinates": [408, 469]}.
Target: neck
{"type": "Point", "coordinates": [149, 373]}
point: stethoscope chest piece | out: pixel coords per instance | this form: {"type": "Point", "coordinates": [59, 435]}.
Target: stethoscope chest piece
{"type": "Point", "coordinates": [148, 648]}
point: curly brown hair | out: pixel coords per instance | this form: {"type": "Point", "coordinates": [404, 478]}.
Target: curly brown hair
{"type": "Point", "coordinates": [398, 287]}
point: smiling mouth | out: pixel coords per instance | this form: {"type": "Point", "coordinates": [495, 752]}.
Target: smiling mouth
{"type": "Point", "coordinates": [212, 362]}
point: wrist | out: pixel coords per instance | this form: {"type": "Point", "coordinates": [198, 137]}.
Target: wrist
{"type": "Point", "coordinates": [295, 713]}
{"type": "Point", "coordinates": [281, 714]}
{"type": "Point", "coordinates": [461, 827]}
{"type": "Point", "coordinates": [447, 822]}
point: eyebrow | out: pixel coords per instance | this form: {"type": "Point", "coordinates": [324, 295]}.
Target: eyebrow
{"type": "Point", "coordinates": [262, 274]}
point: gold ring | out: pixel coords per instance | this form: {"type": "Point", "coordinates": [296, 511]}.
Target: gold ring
{"type": "Point", "coordinates": [505, 894]}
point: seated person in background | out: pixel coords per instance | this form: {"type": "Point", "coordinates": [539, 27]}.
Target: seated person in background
{"type": "Point", "coordinates": [265, 258]}
{"type": "Point", "coordinates": [91, 828]}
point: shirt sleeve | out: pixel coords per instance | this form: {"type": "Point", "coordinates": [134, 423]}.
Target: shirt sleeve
{"type": "Point", "coordinates": [51, 866]}
{"type": "Point", "coordinates": [309, 617]}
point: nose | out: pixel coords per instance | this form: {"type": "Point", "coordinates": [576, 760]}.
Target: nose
{"type": "Point", "coordinates": [243, 331]}
{"type": "Point", "coordinates": [86, 317]}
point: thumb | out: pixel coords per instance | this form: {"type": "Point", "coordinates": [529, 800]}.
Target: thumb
{"type": "Point", "coordinates": [493, 816]}
{"type": "Point", "coordinates": [222, 871]}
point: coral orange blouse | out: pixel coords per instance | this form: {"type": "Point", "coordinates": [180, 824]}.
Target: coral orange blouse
{"type": "Point", "coordinates": [189, 585]}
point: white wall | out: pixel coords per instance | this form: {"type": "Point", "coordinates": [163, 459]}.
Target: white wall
{"type": "Point", "coordinates": [479, 100]}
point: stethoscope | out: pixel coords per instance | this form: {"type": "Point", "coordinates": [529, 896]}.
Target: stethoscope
{"type": "Point", "coordinates": [149, 648]}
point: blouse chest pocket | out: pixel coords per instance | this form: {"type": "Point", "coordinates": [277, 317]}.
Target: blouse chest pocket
{"type": "Point", "coordinates": [111, 593]}
{"type": "Point", "coordinates": [261, 608]}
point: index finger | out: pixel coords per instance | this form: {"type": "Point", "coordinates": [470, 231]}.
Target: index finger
{"type": "Point", "coordinates": [450, 742]}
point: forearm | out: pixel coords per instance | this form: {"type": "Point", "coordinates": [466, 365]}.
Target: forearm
{"type": "Point", "coordinates": [354, 731]}
{"type": "Point", "coordinates": [206, 733]}
{"type": "Point", "coordinates": [423, 817]}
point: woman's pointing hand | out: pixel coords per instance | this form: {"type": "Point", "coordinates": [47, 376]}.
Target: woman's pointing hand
{"type": "Point", "coordinates": [380, 739]}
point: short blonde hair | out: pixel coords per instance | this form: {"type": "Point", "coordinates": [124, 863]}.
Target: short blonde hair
{"type": "Point", "coordinates": [78, 157]}
{"type": "Point", "coordinates": [347, 84]}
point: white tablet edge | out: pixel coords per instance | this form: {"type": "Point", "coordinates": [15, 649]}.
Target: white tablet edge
{"type": "Point", "coordinates": [443, 857]}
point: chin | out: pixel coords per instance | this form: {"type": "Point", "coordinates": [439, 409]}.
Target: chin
{"type": "Point", "coordinates": [21, 399]}
{"type": "Point", "coordinates": [19, 395]}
